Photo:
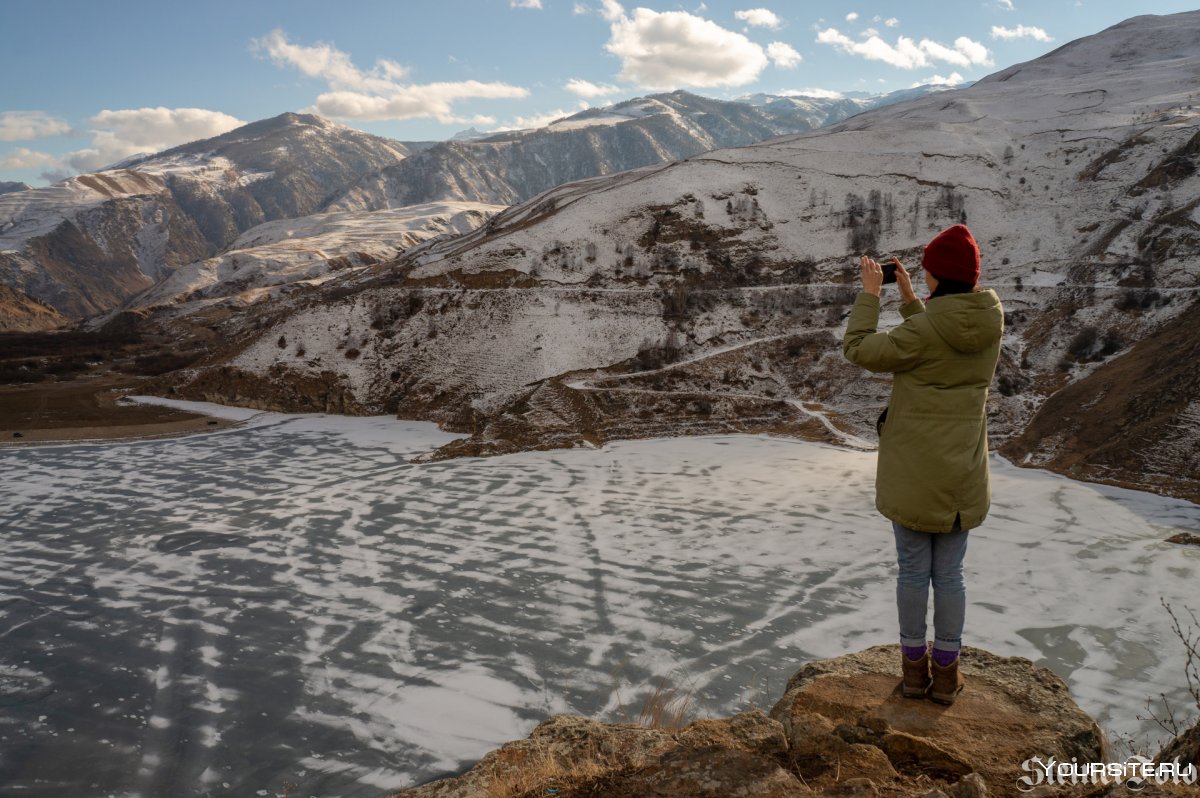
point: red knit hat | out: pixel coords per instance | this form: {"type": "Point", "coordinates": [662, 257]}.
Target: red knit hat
{"type": "Point", "coordinates": [953, 255]}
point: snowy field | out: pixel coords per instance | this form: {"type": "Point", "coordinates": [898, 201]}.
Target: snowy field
{"type": "Point", "coordinates": [292, 602]}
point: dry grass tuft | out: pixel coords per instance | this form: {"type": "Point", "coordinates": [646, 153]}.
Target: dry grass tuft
{"type": "Point", "coordinates": [665, 708]}
{"type": "Point", "coordinates": [543, 773]}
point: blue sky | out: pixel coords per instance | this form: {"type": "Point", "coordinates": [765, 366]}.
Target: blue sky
{"type": "Point", "coordinates": [89, 83]}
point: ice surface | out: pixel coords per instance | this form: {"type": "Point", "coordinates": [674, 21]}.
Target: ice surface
{"type": "Point", "coordinates": [293, 600]}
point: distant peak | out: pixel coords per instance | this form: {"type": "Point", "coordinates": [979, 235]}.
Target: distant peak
{"type": "Point", "coordinates": [291, 119]}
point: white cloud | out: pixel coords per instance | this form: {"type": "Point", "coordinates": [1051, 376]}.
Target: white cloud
{"type": "Point", "coordinates": [891, 22]}
{"type": "Point", "coordinates": [674, 48]}
{"type": "Point", "coordinates": [585, 88]}
{"type": "Point", "coordinates": [783, 55]}
{"type": "Point", "coordinates": [537, 120]}
{"type": "Point", "coordinates": [25, 158]}
{"type": "Point", "coordinates": [1006, 5]}
{"type": "Point", "coordinates": [853, 15]}
{"type": "Point", "coordinates": [379, 93]}
{"type": "Point", "coordinates": [964, 53]}
{"type": "Point", "coordinates": [26, 125]}
{"type": "Point", "coordinates": [328, 63]}
{"type": "Point", "coordinates": [411, 102]}
{"type": "Point", "coordinates": [1021, 32]}
{"type": "Point", "coordinates": [611, 10]}
{"type": "Point", "coordinates": [953, 79]}
{"type": "Point", "coordinates": [525, 3]}
{"type": "Point", "coordinates": [120, 134]}
{"type": "Point", "coordinates": [906, 53]}
{"type": "Point", "coordinates": [580, 8]}
{"type": "Point", "coordinates": [824, 94]}
{"type": "Point", "coordinates": [759, 17]}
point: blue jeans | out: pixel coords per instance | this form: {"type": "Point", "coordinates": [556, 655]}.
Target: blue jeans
{"type": "Point", "coordinates": [924, 558]}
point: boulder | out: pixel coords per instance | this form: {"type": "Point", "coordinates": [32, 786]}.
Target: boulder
{"type": "Point", "coordinates": [1011, 710]}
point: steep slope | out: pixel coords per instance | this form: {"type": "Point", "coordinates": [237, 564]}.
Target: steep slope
{"type": "Point", "coordinates": [89, 242]}
{"type": "Point", "coordinates": [86, 243]}
{"type": "Point", "coordinates": [708, 294]}
{"type": "Point", "coordinates": [1134, 420]}
{"type": "Point", "coordinates": [306, 250]}
{"type": "Point", "coordinates": [22, 313]}
{"type": "Point", "coordinates": [510, 167]}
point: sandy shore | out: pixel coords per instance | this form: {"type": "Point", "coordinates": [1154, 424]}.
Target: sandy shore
{"type": "Point", "coordinates": [92, 409]}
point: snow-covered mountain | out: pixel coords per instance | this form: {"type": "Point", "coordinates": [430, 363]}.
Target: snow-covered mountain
{"type": "Point", "coordinates": [709, 294]}
{"type": "Point", "coordinates": [87, 243]}
{"type": "Point", "coordinates": [509, 167]}
{"type": "Point", "coordinates": [819, 111]}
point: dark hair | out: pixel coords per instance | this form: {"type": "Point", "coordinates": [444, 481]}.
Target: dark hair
{"type": "Point", "coordinates": [947, 286]}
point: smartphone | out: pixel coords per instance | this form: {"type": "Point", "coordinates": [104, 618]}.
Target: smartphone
{"type": "Point", "coordinates": [889, 269]}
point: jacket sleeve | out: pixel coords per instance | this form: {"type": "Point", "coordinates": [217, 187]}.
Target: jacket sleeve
{"type": "Point", "coordinates": [912, 308]}
{"type": "Point", "coordinates": [894, 350]}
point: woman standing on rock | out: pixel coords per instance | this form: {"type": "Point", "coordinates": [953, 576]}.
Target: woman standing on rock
{"type": "Point", "coordinates": [931, 478]}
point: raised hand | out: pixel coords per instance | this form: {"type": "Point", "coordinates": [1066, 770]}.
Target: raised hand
{"type": "Point", "coordinates": [872, 275]}
{"type": "Point", "coordinates": [904, 282]}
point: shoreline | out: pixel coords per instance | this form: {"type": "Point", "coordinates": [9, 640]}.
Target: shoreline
{"type": "Point", "coordinates": [118, 433]}
{"type": "Point", "coordinates": [200, 417]}
{"type": "Point", "coordinates": [106, 411]}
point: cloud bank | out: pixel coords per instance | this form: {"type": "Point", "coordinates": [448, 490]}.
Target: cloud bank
{"type": "Point", "coordinates": [378, 93]}
{"type": "Point", "coordinates": [1021, 32]}
{"type": "Point", "coordinates": [120, 134]}
{"type": "Point", "coordinates": [29, 125]}
{"type": "Point", "coordinates": [907, 53]}
{"type": "Point", "coordinates": [675, 48]}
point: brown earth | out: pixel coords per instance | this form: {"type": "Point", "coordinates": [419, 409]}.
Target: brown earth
{"type": "Point", "coordinates": [1114, 425]}
{"type": "Point", "coordinates": [21, 312]}
{"type": "Point", "coordinates": [86, 408]}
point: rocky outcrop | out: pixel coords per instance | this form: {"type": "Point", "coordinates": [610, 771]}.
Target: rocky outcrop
{"type": "Point", "coordinates": [841, 728]}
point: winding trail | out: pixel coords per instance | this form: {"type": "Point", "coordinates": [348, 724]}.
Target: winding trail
{"type": "Point", "coordinates": [847, 439]}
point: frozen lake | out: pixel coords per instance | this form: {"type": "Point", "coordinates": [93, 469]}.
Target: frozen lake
{"type": "Point", "coordinates": [292, 602]}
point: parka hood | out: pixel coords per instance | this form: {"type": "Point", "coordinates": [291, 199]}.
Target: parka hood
{"type": "Point", "coordinates": [967, 322]}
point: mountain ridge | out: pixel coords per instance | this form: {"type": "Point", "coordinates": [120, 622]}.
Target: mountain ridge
{"type": "Point", "coordinates": [194, 199]}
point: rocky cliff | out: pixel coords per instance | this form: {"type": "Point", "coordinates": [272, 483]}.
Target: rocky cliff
{"type": "Point", "coordinates": [840, 729]}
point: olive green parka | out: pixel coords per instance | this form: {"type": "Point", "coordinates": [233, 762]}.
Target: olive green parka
{"type": "Point", "coordinates": [933, 448]}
